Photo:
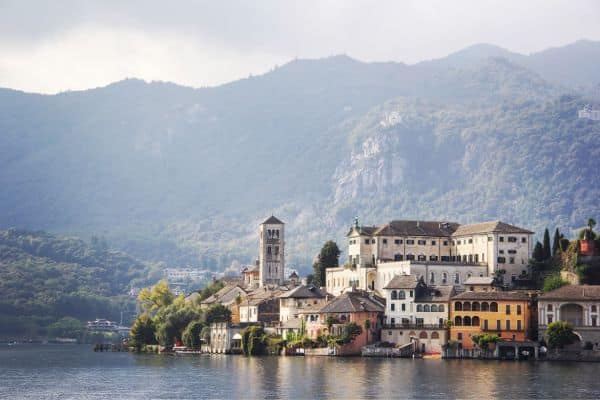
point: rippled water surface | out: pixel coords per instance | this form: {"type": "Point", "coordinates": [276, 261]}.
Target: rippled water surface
{"type": "Point", "coordinates": [76, 372]}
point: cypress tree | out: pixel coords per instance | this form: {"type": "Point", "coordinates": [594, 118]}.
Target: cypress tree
{"type": "Point", "coordinates": [538, 252]}
{"type": "Point", "coordinates": [547, 249]}
{"type": "Point", "coordinates": [556, 242]}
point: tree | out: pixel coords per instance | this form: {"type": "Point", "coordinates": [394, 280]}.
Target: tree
{"type": "Point", "coordinates": [547, 249]}
{"type": "Point", "coordinates": [329, 322]}
{"type": "Point", "coordinates": [538, 252]}
{"type": "Point", "coordinates": [66, 327]}
{"type": "Point", "coordinates": [553, 282]}
{"type": "Point", "coordinates": [191, 334]}
{"type": "Point", "coordinates": [560, 334]}
{"type": "Point", "coordinates": [157, 297]}
{"type": "Point", "coordinates": [329, 257]}
{"type": "Point", "coordinates": [143, 331]}
{"type": "Point", "coordinates": [556, 242]}
{"type": "Point", "coordinates": [171, 321]}
{"type": "Point", "coordinates": [483, 341]}
{"type": "Point", "coordinates": [218, 313]}
{"type": "Point", "coordinates": [591, 223]}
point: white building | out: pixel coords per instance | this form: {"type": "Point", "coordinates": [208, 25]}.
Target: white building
{"type": "Point", "coordinates": [295, 300]}
{"type": "Point", "coordinates": [444, 253]}
{"type": "Point", "coordinates": [416, 313]}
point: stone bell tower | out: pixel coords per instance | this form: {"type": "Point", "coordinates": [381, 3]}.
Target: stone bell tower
{"type": "Point", "coordinates": [271, 252]}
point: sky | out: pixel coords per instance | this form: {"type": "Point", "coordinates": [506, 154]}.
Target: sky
{"type": "Point", "coordinates": [59, 45]}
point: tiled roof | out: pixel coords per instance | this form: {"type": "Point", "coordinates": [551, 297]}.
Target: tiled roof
{"type": "Point", "coordinates": [273, 220]}
{"type": "Point", "coordinates": [403, 282]}
{"type": "Point", "coordinates": [304, 292]}
{"type": "Point", "coordinates": [435, 294]}
{"type": "Point", "coordinates": [225, 295]}
{"type": "Point", "coordinates": [362, 230]}
{"type": "Point", "coordinates": [497, 295]}
{"type": "Point", "coordinates": [416, 228]}
{"type": "Point", "coordinates": [573, 292]}
{"type": "Point", "coordinates": [350, 302]}
{"type": "Point", "coordinates": [488, 227]}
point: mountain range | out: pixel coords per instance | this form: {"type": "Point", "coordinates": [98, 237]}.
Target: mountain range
{"type": "Point", "coordinates": [182, 175]}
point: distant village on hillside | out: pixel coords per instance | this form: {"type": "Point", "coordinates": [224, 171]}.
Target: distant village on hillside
{"type": "Point", "coordinates": [411, 289]}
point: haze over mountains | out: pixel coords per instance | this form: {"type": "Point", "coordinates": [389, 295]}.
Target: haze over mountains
{"type": "Point", "coordinates": [182, 175]}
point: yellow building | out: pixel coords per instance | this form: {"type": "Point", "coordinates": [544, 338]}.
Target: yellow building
{"type": "Point", "coordinates": [504, 313]}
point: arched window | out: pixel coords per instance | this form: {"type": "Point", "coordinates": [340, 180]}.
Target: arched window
{"type": "Point", "coordinates": [441, 308]}
{"type": "Point", "coordinates": [467, 321]}
{"type": "Point", "coordinates": [485, 306]}
{"type": "Point", "coordinates": [435, 335]}
{"type": "Point", "coordinates": [434, 308]}
{"type": "Point", "coordinates": [343, 318]}
{"type": "Point", "coordinates": [419, 308]}
{"type": "Point", "coordinates": [475, 306]}
{"type": "Point", "coordinates": [457, 306]}
{"type": "Point", "coordinates": [458, 321]}
{"type": "Point", "coordinates": [594, 309]}
{"type": "Point", "coordinates": [550, 307]}
{"type": "Point", "coordinates": [423, 335]}
{"type": "Point", "coordinates": [412, 334]}
{"type": "Point", "coordinates": [394, 295]}
{"type": "Point", "coordinates": [494, 307]}
{"type": "Point", "coordinates": [426, 308]}
{"type": "Point", "coordinates": [475, 321]}
{"type": "Point", "coordinates": [401, 294]}
{"type": "Point", "coordinates": [466, 306]}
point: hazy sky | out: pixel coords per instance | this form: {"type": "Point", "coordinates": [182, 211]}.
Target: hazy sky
{"type": "Point", "coordinates": [50, 46]}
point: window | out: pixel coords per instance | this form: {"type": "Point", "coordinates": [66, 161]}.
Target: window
{"type": "Point", "coordinates": [501, 260]}
{"type": "Point", "coordinates": [433, 258]}
{"type": "Point", "coordinates": [508, 309]}
{"type": "Point", "coordinates": [470, 241]}
{"type": "Point", "coordinates": [485, 324]}
{"type": "Point", "coordinates": [394, 295]}
{"type": "Point", "coordinates": [500, 251]}
{"type": "Point", "coordinates": [373, 241]}
{"type": "Point", "coordinates": [432, 277]}
{"type": "Point", "coordinates": [512, 239]}
{"type": "Point", "coordinates": [441, 308]}
{"type": "Point", "coordinates": [523, 240]}
{"type": "Point", "coordinates": [502, 238]}
{"type": "Point", "coordinates": [410, 257]}
{"type": "Point", "coordinates": [508, 324]}
{"type": "Point", "coordinates": [475, 321]}
{"type": "Point", "coordinates": [518, 310]}
{"type": "Point", "coordinates": [498, 325]}
{"type": "Point", "coordinates": [459, 336]}
{"type": "Point", "coordinates": [423, 335]}
{"type": "Point", "coordinates": [421, 242]}
{"type": "Point", "coordinates": [410, 241]}
{"type": "Point", "coordinates": [490, 238]}
{"type": "Point", "coordinates": [594, 309]}
{"type": "Point", "coordinates": [494, 307]}
{"type": "Point", "coordinates": [444, 277]}
{"type": "Point", "coordinates": [411, 293]}
{"type": "Point", "coordinates": [367, 241]}
{"type": "Point", "coordinates": [456, 278]}
{"type": "Point", "coordinates": [594, 320]}
{"type": "Point", "coordinates": [485, 306]}
{"type": "Point", "coordinates": [466, 306]}
{"type": "Point", "coordinates": [458, 321]}
{"type": "Point", "coordinates": [393, 321]}
{"type": "Point", "coordinates": [401, 295]}
{"type": "Point", "coordinates": [467, 321]}
{"type": "Point", "coordinates": [419, 321]}
{"type": "Point", "coordinates": [419, 308]}
{"type": "Point", "coordinates": [434, 308]}
{"type": "Point", "coordinates": [268, 249]}
{"type": "Point", "coordinates": [422, 257]}
{"type": "Point", "coordinates": [549, 307]}
{"type": "Point", "coordinates": [435, 335]}
{"type": "Point", "coordinates": [276, 248]}
{"type": "Point", "coordinates": [511, 260]}
{"type": "Point", "coordinates": [433, 242]}
{"type": "Point", "coordinates": [445, 243]}
{"type": "Point", "coordinates": [385, 241]}
{"type": "Point", "coordinates": [426, 308]}
{"type": "Point", "coordinates": [398, 241]}
{"type": "Point", "coordinates": [398, 257]}
{"type": "Point", "coordinates": [475, 306]}
{"type": "Point", "coordinates": [403, 307]}
{"type": "Point", "coordinates": [392, 307]}
{"type": "Point", "coordinates": [518, 325]}
{"type": "Point", "coordinates": [549, 319]}
{"type": "Point", "coordinates": [458, 306]}
{"type": "Point", "coordinates": [512, 252]}
{"type": "Point", "coordinates": [445, 258]}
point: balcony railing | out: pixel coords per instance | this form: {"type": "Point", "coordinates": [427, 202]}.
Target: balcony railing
{"type": "Point", "coordinates": [414, 326]}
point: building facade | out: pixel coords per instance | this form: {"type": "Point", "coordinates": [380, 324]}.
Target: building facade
{"type": "Point", "coordinates": [271, 258]}
{"type": "Point", "coordinates": [295, 300]}
{"type": "Point", "coordinates": [579, 305]}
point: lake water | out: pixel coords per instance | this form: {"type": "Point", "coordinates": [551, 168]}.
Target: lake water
{"type": "Point", "coordinates": [76, 372]}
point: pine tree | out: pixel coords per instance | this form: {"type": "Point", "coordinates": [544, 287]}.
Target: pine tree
{"type": "Point", "coordinates": [547, 248]}
{"type": "Point", "coordinates": [556, 242]}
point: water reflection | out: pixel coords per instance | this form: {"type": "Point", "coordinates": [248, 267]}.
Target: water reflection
{"type": "Point", "coordinates": [76, 372]}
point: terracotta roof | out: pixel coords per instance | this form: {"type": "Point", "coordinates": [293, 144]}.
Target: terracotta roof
{"type": "Point", "coordinates": [488, 227]}
{"type": "Point", "coordinates": [416, 228]}
{"type": "Point", "coordinates": [403, 282]}
{"type": "Point", "coordinates": [573, 292]}
{"type": "Point", "coordinates": [497, 295]}
{"type": "Point", "coordinates": [435, 294]}
{"type": "Point", "coordinates": [304, 292]}
{"type": "Point", "coordinates": [350, 302]}
{"type": "Point", "coordinates": [273, 220]}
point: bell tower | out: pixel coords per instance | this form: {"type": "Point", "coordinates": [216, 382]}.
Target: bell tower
{"type": "Point", "coordinates": [271, 252]}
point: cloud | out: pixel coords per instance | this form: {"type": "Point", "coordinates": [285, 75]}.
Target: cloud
{"type": "Point", "coordinates": [50, 46]}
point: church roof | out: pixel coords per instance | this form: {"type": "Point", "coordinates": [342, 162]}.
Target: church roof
{"type": "Point", "coordinates": [488, 227]}
{"type": "Point", "coordinates": [272, 220]}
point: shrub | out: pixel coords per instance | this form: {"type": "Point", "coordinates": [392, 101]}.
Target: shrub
{"type": "Point", "coordinates": [553, 282]}
{"type": "Point", "coordinates": [560, 334]}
